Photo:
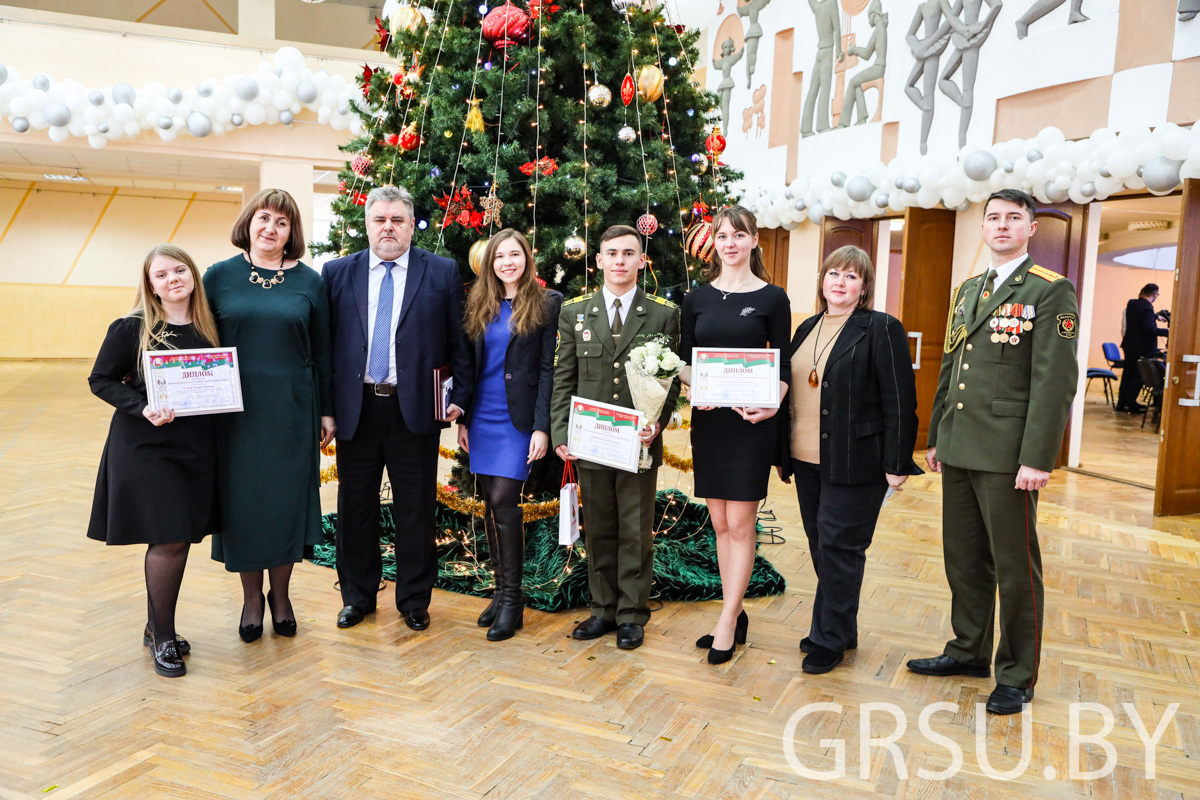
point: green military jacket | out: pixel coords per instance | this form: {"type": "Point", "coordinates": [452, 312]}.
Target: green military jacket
{"type": "Point", "coordinates": [1009, 373]}
{"type": "Point", "coordinates": [589, 364]}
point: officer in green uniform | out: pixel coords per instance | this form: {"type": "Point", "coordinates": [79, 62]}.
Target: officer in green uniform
{"type": "Point", "coordinates": [595, 334]}
{"type": "Point", "coordinates": [1009, 373]}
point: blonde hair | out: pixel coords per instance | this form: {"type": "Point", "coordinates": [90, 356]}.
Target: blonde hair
{"type": "Point", "coordinates": [149, 307]}
{"type": "Point", "coordinates": [741, 220]}
{"type": "Point", "coordinates": [849, 257]}
{"type": "Point", "coordinates": [483, 303]}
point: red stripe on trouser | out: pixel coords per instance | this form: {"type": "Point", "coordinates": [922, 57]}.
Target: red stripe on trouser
{"type": "Point", "coordinates": [1037, 639]}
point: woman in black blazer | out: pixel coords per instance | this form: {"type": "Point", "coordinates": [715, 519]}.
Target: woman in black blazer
{"type": "Point", "coordinates": [849, 432]}
{"type": "Point", "coordinates": [513, 322]}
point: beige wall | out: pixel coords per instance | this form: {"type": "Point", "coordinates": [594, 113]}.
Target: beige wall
{"type": "Point", "coordinates": [58, 321]}
{"type": "Point", "coordinates": [1116, 286]}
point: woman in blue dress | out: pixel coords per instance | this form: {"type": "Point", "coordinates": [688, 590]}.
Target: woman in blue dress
{"type": "Point", "coordinates": [513, 322]}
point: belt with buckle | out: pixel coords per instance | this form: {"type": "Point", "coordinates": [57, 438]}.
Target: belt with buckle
{"type": "Point", "coordinates": [380, 389]}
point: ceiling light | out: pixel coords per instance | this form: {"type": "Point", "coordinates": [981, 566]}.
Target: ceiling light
{"type": "Point", "coordinates": [234, 188]}
{"type": "Point", "coordinates": [74, 178]}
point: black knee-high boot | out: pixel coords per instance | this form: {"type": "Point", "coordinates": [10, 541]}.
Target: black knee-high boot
{"type": "Point", "coordinates": [510, 606]}
{"type": "Point", "coordinates": [489, 529]}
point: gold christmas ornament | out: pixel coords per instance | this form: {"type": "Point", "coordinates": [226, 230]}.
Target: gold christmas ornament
{"type": "Point", "coordinates": [650, 83]}
{"type": "Point", "coordinates": [475, 255]}
{"type": "Point", "coordinates": [474, 116]}
{"type": "Point", "coordinates": [574, 247]}
{"type": "Point", "coordinates": [406, 18]}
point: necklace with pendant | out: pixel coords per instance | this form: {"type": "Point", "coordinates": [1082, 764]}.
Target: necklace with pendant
{"type": "Point", "coordinates": [725, 294]}
{"type": "Point", "coordinates": [266, 283]}
{"type": "Point", "coordinates": [813, 379]}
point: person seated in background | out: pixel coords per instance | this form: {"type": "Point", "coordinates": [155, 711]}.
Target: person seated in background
{"type": "Point", "coordinates": [1140, 341]}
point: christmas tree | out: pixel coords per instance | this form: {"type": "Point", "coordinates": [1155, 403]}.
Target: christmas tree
{"type": "Point", "coordinates": [558, 120]}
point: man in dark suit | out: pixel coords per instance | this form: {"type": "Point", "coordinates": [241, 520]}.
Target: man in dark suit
{"type": "Point", "coordinates": [396, 316]}
{"type": "Point", "coordinates": [1140, 341]}
{"type": "Point", "coordinates": [1008, 376]}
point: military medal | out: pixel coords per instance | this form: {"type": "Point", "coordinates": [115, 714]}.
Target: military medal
{"type": "Point", "coordinates": [1027, 325]}
{"type": "Point", "coordinates": [587, 336]}
{"type": "Point", "coordinates": [1014, 339]}
{"type": "Point", "coordinates": [1004, 338]}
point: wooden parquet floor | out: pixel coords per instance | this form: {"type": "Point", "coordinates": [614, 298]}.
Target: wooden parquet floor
{"type": "Point", "coordinates": [381, 712]}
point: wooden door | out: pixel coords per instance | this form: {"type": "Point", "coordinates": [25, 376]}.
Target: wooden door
{"type": "Point", "coordinates": [1058, 246]}
{"type": "Point", "coordinates": [837, 233]}
{"type": "Point", "coordinates": [927, 262]}
{"type": "Point", "coordinates": [774, 243]}
{"type": "Point", "coordinates": [1177, 490]}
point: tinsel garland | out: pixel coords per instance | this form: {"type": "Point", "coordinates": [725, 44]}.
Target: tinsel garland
{"type": "Point", "coordinates": [555, 577]}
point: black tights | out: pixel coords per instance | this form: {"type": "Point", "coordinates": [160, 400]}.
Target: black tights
{"type": "Point", "coordinates": [164, 575]}
{"type": "Point", "coordinates": [252, 595]}
{"type": "Point", "coordinates": [499, 492]}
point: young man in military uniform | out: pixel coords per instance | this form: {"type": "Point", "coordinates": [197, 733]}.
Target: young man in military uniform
{"type": "Point", "coordinates": [595, 333]}
{"type": "Point", "coordinates": [1008, 376]}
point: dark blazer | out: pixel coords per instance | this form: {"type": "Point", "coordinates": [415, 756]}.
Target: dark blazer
{"type": "Point", "coordinates": [868, 401]}
{"type": "Point", "coordinates": [428, 335]}
{"type": "Point", "coordinates": [528, 371]}
{"type": "Point", "coordinates": [1141, 330]}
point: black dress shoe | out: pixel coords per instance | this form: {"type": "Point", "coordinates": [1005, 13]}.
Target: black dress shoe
{"type": "Point", "coordinates": [251, 633]}
{"type": "Point", "coordinates": [629, 636]}
{"type": "Point", "coordinates": [1008, 699]}
{"type": "Point", "coordinates": [168, 661]}
{"type": "Point", "coordinates": [416, 618]}
{"type": "Point", "coordinates": [943, 666]}
{"type": "Point", "coordinates": [350, 616]}
{"type": "Point", "coordinates": [184, 646]}
{"type": "Point", "coordinates": [807, 645]}
{"type": "Point", "coordinates": [739, 632]}
{"type": "Point", "coordinates": [593, 628]}
{"type": "Point", "coordinates": [283, 627]}
{"type": "Point", "coordinates": [820, 660]}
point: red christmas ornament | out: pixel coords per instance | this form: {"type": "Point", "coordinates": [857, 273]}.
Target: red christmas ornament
{"type": "Point", "coordinates": [628, 89]}
{"type": "Point", "coordinates": [715, 143]}
{"type": "Point", "coordinates": [546, 166]}
{"type": "Point", "coordinates": [647, 224]}
{"type": "Point", "coordinates": [342, 187]}
{"type": "Point", "coordinates": [699, 241]}
{"type": "Point", "coordinates": [361, 165]}
{"type": "Point", "coordinates": [410, 139]}
{"type": "Point", "coordinates": [392, 140]}
{"type": "Point", "coordinates": [506, 25]}
{"type": "Point", "coordinates": [537, 6]}
{"type": "Point", "coordinates": [360, 199]}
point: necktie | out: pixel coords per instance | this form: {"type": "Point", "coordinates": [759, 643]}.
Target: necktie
{"type": "Point", "coordinates": [989, 286]}
{"type": "Point", "coordinates": [381, 338]}
{"type": "Point", "coordinates": [616, 323]}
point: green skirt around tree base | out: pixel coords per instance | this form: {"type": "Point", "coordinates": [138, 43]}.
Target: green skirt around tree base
{"type": "Point", "coordinates": [685, 557]}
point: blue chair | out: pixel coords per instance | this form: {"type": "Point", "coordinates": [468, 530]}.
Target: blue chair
{"type": "Point", "coordinates": [1112, 354]}
{"type": "Point", "coordinates": [1108, 377]}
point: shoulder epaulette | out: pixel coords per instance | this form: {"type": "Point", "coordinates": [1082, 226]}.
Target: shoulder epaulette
{"type": "Point", "coordinates": [662, 301]}
{"type": "Point", "coordinates": [579, 299]}
{"type": "Point", "coordinates": [1045, 274]}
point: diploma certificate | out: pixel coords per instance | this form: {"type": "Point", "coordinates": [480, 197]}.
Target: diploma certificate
{"type": "Point", "coordinates": [743, 378]}
{"type": "Point", "coordinates": [605, 434]}
{"type": "Point", "coordinates": [193, 381]}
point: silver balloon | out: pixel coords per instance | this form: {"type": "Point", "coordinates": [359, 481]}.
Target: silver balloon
{"type": "Point", "coordinates": [899, 182]}
{"type": "Point", "coordinates": [344, 108]}
{"type": "Point", "coordinates": [1088, 189]}
{"type": "Point", "coordinates": [57, 114]}
{"type": "Point", "coordinates": [198, 124]}
{"type": "Point", "coordinates": [1162, 174]}
{"type": "Point", "coordinates": [911, 185]}
{"type": "Point", "coordinates": [800, 205]}
{"type": "Point", "coordinates": [979, 165]}
{"type": "Point", "coordinates": [237, 120]}
{"type": "Point", "coordinates": [1009, 167]}
{"type": "Point", "coordinates": [816, 214]}
{"type": "Point", "coordinates": [1055, 194]}
{"type": "Point", "coordinates": [1104, 173]}
{"type": "Point", "coordinates": [102, 127]}
{"type": "Point", "coordinates": [1033, 155]}
{"type": "Point", "coordinates": [963, 207]}
{"type": "Point", "coordinates": [96, 97]}
{"type": "Point", "coordinates": [1141, 171]}
{"type": "Point", "coordinates": [859, 188]}
{"type": "Point", "coordinates": [175, 94]}
{"type": "Point", "coordinates": [787, 193]}
{"type": "Point", "coordinates": [279, 72]}
{"type": "Point", "coordinates": [20, 124]}
{"type": "Point", "coordinates": [123, 93]}
{"type": "Point", "coordinates": [306, 92]}
{"type": "Point", "coordinates": [205, 89]}
{"type": "Point", "coordinates": [165, 123]}
{"type": "Point", "coordinates": [286, 117]}
{"type": "Point", "coordinates": [838, 178]}
{"type": "Point", "coordinates": [3, 73]}
{"type": "Point", "coordinates": [881, 199]}
{"type": "Point", "coordinates": [246, 88]}
{"type": "Point", "coordinates": [41, 81]}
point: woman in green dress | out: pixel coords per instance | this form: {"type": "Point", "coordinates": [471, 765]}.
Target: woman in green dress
{"type": "Point", "coordinates": [275, 311]}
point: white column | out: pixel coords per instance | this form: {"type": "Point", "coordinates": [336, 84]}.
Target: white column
{"type": "Point", "coordinates": [883, 264]}
{"type": "Point", "coordinates": [1086, 293]}
{"type": "Point", "coordinates": [256, 18]}
{"type": "Point", "coordinates": [295, 178]}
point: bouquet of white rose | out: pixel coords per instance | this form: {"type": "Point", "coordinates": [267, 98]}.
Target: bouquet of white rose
{"type": "Point", "coordinates": [651, 369]}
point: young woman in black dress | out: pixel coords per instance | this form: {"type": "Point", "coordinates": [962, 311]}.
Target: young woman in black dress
{"type": "Point", "coordinates": [733, 448]}
{"type": "Point", "coordinates": [157, 473]}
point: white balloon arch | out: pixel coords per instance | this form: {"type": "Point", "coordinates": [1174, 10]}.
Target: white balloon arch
{"type": "Point", "coordinates": [274, 95]}
{"type": "Point", "coordinates": [1053, 169]}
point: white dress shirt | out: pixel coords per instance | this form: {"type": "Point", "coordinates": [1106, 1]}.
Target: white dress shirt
{"type": "Point", "coordinates": [374, 282]}
{"type": "Point", "coordinates": [1003, 272]}
{"type": "Point", "coordinates": [626, 301]}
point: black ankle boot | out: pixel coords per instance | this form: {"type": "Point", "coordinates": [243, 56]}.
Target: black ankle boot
{"type": "Point", "coordinates": [489, 530]}
{"type": "Point", "coordinates": [510, 600]}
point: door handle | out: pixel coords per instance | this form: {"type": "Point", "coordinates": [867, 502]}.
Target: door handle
{"type": "Point", "coordinates": [1195, 401]}
{"type": "Point", "coordinates": [916, 335]}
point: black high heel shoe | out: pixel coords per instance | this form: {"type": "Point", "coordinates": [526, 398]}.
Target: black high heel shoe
{"type": "Point", "coordinates": [283, 627]}
{"type": "Point", "coordinates": [739, 633]}
{"type": "Point", "coordinates": [251, 633]}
